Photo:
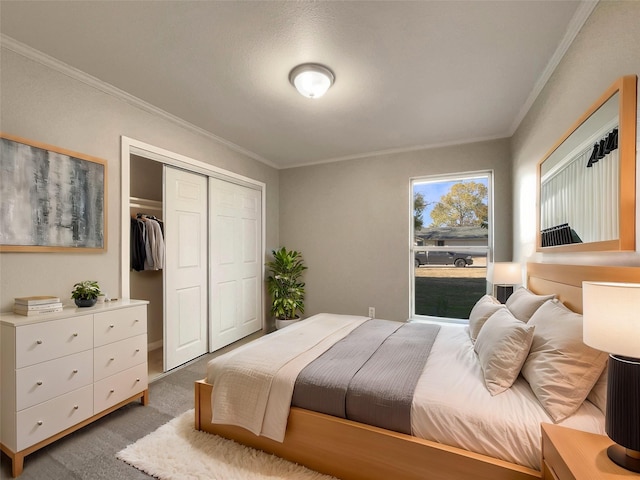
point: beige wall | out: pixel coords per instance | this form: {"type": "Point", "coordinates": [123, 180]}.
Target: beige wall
{"type": "Point", "coordinates": [607, 47]}
{"type": "Point", "coordinates": [40, 103]}
{"type": "Point", "coordinates": [351, 221]}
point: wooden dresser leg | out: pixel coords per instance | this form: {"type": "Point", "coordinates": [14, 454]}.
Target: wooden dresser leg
{"type": "Point", "coordinates": [145, 397]}
{"type": "Point", "coordinates": [17, 464]}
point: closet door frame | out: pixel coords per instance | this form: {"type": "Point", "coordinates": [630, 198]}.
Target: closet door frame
{"type": "Point", "coordinates": [131, 146]}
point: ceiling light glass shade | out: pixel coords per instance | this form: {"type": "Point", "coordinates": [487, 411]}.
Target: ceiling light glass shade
{"type": "Point", "coordinates": [311, 80]}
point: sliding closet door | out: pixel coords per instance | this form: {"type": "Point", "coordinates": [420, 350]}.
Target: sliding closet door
{"type": "Point", "coordinates": [235, 216]}
{"type": "Point", "coordinates": [185, 275]}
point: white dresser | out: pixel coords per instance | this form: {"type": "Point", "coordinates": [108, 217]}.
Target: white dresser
{"type": "Point", "coordinates": [61, 371]}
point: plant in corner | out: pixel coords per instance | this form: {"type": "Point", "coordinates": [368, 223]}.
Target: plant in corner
{"type": "Point", "coordinates": [85, 293]}
{"type": "Point", "coordinates": [284, 285]}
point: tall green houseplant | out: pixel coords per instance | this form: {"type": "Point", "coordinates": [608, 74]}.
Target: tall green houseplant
{"type": "Point", "coordinates": [284, 285]}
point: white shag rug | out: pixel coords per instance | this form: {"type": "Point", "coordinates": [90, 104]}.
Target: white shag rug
{"type": "Point", "coordinates": [177, 450]}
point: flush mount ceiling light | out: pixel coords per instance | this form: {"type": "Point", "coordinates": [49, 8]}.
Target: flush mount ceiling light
{"type": "Point", "coordinates": [311, 79]}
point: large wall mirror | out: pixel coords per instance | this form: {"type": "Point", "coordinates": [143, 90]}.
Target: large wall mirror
{"type": "Point", "coordinates": [586, 183]}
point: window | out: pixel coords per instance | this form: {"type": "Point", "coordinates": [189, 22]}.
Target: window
{"type": "Point", "coordinates": [451, 241]}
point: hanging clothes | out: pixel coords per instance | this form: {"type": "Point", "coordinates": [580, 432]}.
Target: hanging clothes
{"type": "Point", "coordinates": [148, 251]}
{"type": "Point", "coordinates": [154, 243]}
{"type": "Point", "coordinates": [137, 245]}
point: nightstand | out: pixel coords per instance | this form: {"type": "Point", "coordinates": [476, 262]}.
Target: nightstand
{"type": "Point", "coordinates": [569, 454]}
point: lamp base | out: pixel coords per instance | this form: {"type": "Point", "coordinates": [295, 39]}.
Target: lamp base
{"type": "Point", "coordinates": [503, 292]}
{"type": "Point", "coordinates": [619, 456]}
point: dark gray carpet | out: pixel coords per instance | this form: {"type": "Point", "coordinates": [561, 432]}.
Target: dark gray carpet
{"type": "Point", "coordinates": [90, 453]}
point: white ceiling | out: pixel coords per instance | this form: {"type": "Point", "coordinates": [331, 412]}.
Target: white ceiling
{"type": "Point", "coordinates": [409, 74]}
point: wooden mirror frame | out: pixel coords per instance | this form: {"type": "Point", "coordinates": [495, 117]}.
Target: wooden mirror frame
{"type": "Point", "coordinates": [627, 88]}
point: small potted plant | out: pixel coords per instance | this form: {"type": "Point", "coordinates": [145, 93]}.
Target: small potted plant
{"type": "Point", "coordinates": [85, 293]}
{"type": "Point", "coordinates": [284, 286]}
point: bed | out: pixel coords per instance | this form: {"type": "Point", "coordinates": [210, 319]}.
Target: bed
{"type": "Point", "coordinates": [352, 450]}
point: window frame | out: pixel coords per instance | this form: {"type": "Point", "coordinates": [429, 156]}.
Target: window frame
{"type": "Point", "coordinates": [489, 174]}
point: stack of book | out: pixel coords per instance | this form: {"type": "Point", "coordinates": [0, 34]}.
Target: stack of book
{"type": "Point", "coordinates": [37, 305]}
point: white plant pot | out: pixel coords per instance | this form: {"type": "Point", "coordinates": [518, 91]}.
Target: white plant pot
{"type": "Point", "coordinates": [285, 323]}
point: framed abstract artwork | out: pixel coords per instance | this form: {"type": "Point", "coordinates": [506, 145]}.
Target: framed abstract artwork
{"type": "Point", "coordinates": [51, 199]}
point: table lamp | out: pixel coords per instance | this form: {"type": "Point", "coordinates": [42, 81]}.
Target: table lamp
{"type": "Point", "coordinates": [611, 323]}
{"type": "Point", "coordinates": [505, 275]}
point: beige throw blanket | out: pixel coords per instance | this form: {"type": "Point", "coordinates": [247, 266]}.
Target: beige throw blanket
{"type": "Point", "coordinates": [253, 384]}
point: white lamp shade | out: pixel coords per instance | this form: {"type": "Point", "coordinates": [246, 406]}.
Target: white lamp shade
{"type": "Point", "coordinates": [506, 273]}
{"type": "Point", "coordinates": [311, 80]}
{"type": "Point", "coordinates": [611, 317]}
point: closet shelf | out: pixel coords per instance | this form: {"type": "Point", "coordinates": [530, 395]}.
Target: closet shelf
{"type": "Point", "coordinates": [137, 202]}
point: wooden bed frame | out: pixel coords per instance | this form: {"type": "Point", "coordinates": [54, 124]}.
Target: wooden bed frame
{"type": "Point", "coordinates": [354, 451]}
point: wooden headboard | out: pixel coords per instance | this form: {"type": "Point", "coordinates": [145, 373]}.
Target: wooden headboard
{"type": "Point", "coordinates": [566, 280]}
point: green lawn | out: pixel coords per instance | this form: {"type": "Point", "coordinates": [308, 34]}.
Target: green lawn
{"type": "Point", "coordinates": [452, 297]}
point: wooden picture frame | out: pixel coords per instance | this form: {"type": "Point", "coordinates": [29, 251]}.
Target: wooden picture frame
{"type": "Point", "coordinates": [51, 199]}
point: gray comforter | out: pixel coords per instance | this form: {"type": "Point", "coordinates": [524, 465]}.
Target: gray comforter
{"type": "Point", "coordinates": [370, 375]}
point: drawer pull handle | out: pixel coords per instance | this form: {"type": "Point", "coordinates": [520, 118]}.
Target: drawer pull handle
{"type": "Point", "coordinates": [39, 342]}
{"type": "Point", "coordinates": [112, 390]}
{"type": "Point", "coordinates": [39, 383]}
{"type": "Point", "coordinates": [75, 334]}
{"type": "Point", "coordinates": [75, 407]}
{"type": "Point", "coordinates": [39, 422]}
{"type": "Point", "coordinates": [111, 359]}
{"type": "Point", "coordinates": [75, 370]}
{"type": "Point", "coordinates": [137, 350]}
{"type": "Point", "coordinates": [137, 379]}
{"type": "Point", "coordinates": [111, 326]}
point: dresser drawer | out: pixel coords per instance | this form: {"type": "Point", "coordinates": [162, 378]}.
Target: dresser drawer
{"type": "Point", "coordinates": [43, 381]}
{"type": "Point", "coordinates": [49, 418]}
{"type": "Point", "coordinates": [119, 324]}
{"type": "Point", "coordinates": [118, 387]}
{"type": "Point", "coordinates": [115, 357]}
{"type": "Point", "coordinates": [44, 341]}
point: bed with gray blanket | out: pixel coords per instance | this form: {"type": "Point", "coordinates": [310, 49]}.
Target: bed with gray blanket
{"type": "Point", "coordinates": [370, 375]}
{"type": "Point", "coordinates": [422, 380]}
{"type": "Point", "coordinates": [457, 428]}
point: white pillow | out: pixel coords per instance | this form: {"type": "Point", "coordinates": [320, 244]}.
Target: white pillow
{"type": "Point", "coordinates": [481, 311]}
{"type": "Point", "coordinates": [560, 368]}
{"type": "Point", "coordinates": [502, 346]}
{"type": "Point", "coordinates": [523, 303]}
{"type": "Point", "coordinates": [598, 394]}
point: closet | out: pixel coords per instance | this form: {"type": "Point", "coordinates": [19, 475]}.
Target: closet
{"type": "Point", "coordinates": [209, 290]}
{"type": "Point", "coordinates": [146, 198]}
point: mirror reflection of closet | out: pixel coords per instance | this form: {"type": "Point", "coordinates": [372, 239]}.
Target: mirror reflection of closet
{"type": "Point", "coordinates": [586, 184]}
{"type": "Point", "coordinates": [146, 199]}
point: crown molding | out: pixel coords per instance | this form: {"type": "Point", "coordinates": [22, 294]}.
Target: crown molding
{"type": "Point", "coordinates": [395, 151]}
{"type": "Point", "coordinates": [579, 18]}
{"type": "Point", "coordinates": [37, 56]}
